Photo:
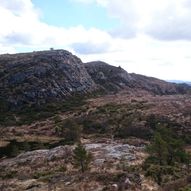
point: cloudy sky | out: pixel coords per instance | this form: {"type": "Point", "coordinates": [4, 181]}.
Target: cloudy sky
{"type": "Point", "coordinates": [150, 37]}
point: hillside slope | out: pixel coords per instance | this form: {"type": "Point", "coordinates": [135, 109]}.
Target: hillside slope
{"type": "Point", "coordinates": [42, 77]}
{"type": "Point", "coordinates": [112, 78]}
{"type": "Point", "coordinates": [39, 77]}
{"type": "Point", "coordinates": [38, 144]}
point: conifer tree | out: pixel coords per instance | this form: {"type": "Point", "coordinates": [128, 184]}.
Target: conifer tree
{"type": "Point", "coordinates": [82, 158]}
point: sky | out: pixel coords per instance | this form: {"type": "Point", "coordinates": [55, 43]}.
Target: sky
{"type": "Point", "coordinates": [149, 37]}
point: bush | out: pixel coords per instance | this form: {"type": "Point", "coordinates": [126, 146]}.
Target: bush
{"type": "Point", "coordinates": [186, 189]}
{"type": "Point", "coordinates": [166, 156]}
{"type": "Point", "coordinates": [70, 130]}
{"type": "Point", "coordinates": [82, 158]}
{"type": "Point", "coordinates": [90, 127]}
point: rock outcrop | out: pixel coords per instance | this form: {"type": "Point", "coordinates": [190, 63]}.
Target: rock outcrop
{"type": "Point", "coordinates": [112, 78]}
{"type": "Point", "coordinates": [40, 77]}
{"type": "Point", "coordinates": [108, 77]}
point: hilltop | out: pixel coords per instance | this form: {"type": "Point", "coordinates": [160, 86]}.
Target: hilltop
{"type": "Point", "coordinates": [38, 78]}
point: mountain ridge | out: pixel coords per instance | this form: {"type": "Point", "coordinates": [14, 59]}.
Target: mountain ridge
{"type": "Point", "coordinates": [179, 82]}
{"type": "Point", "coordinates": [44, 76]}
{"type": "Point", "coordinates": [117, 78]}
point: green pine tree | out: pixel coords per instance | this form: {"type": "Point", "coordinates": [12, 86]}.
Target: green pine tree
{"type": "Point", "coordinates": [166, 155]}
{"type": "Point", "coordinates": [158, 149]}
{"type": "Point", "coordinates": [82, 158]}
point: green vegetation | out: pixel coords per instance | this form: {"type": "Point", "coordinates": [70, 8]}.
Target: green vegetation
{"type": "Point", "coordinates": [4, 105]}
{"type": "Point", "coordinates": [69, 130]}
{"type": "Point", "coordinates": [167, 156]}
{"type": "Point", "coordinates": [82, 158]}
{"type": "Point", "coordinates": [14, 147]}
{"type": "Point", "coordinates": [40, 174]}
{"type": "Point", "coordinates": [29, 114]}
{"type": "Point", "coordinates": [7, 174]}
{"type": "Point", "coordinates": [154, 121]}
{"type": "Point", "coordinates": [121, 121]}
{"type": "Point", "coordinates": [186, 189]}
{"type": "Point", "coordinates": [167, 147]}
{"type": "Point", "coordinates": [92, 126]}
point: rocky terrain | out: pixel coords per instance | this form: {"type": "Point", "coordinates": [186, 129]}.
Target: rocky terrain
{"type": "Point", "coordinates": [40, 77]}
{"type": "Point", "coordinates": [113, 79]}
{"type": "Point", "coordinates": [51, 101]}
{"type": "Point", "coordinates": [53, 169]}
{"type": "Point", "coordinates": [118, 150]}
{"type": "Point", "coordinates": [37, 78]}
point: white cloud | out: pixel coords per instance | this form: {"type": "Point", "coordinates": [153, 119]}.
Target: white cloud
{"type": "Point", "coordinates": [143, 55]}
{"type": "Point", "coordinates": [173, 22]}
{"type": "Point", "coordinates": [161, 19]}
{"type": "Point", "coordinates": [23, 26]}
{"type": "Point", "coordinates": [147, 21]}
{"type": "Point", "coordinates": [90, 48]}
{"type": "Point", "coordinates": [100, 2]}
{"type": "Point", "coordinates": [19, 7]}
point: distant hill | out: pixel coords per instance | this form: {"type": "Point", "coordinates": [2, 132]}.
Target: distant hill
{"type": "Point", "coordinates": [112, 78]}
{"type": "Point", "coordinates": [179, 82]}
{"type": "Point", "coordinates": [37, 78]}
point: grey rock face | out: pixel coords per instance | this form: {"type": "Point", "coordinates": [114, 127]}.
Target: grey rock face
{"type": "Point", "coordinates": [109, 77]}
{"type": "Point", "coordinates": [43, 76]}
{"type": "Point", "coordinates": [40, 77]}
{"type": "Point", "coordinates": [113, 78]}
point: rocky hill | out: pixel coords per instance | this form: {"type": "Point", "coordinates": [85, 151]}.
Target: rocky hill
{"type": "Point", "coordinates": [38, 144]}
{"type": "Point", "coordinates": [108, 77]}
{"type": "Point", "coordinates": [40, 77]}
{"type": "Point", "coordinates": [112, 78]}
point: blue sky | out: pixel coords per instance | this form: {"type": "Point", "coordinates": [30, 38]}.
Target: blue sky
{"type": "Point", "coordinates": [149, 37]}
{"type": "Point", "coordinates": [67, 13]}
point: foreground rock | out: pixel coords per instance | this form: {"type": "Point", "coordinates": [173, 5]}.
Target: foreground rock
{"type": "Point", "coordinates": [53, 169]}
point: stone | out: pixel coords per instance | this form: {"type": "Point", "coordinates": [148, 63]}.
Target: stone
{"type": "Point", "coordinates": [40, 77]}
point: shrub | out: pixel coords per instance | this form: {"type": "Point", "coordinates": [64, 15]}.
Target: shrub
{"type": "Point", "coordinates": [166, 156]}
{"type": "Point", "coordinates": [70, 130]}
{"type": "Point", "coordinates": [82, 158]}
